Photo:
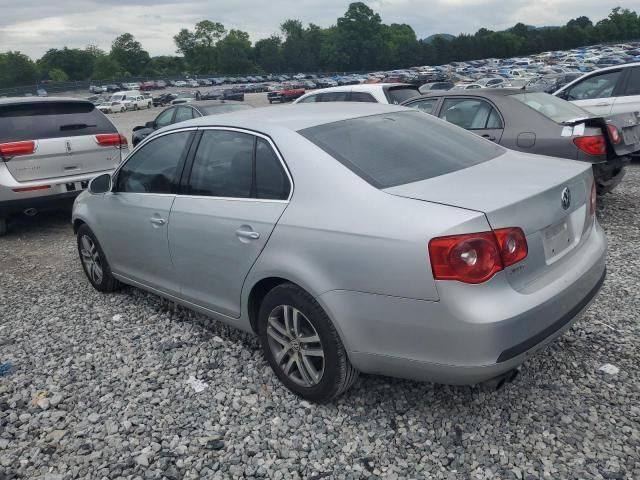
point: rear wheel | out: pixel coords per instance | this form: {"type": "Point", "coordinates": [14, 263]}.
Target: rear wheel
{"type": "Point", "coordinates": [302, 346]}
{"type": "Point", "coordinates": [94, 262]}
{"type": "Point", "coordinates": [3, 227]}
{"type": "Point", "coordinates": [135, 107]}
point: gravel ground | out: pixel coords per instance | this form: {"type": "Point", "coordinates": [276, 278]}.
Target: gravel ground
{"type": "Point", "coordinates": [104, 387]}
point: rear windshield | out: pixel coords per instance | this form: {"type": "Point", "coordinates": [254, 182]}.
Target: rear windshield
{"type": "Point", "coordinates": [40, 120]}
{"type": "Point", "coordinates": [217, 109]}
{"type": "Point", "coordinates": [399, 94]}
{"type": "Point", "coordinates": [402, 147]}
{"type": "Point", "coordinates": [553, 108]}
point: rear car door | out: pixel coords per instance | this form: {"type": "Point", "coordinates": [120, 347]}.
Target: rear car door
{"type": "Point", "coordinates": [134, 216]}
{"type": "Point", "coordinates": [629, 98]}
{"type": "Point", "coordinates": [235, 191]}
{"type": "Point", "coordinates": [596, 93]}
{"type": "Point", "coordinates": [70, 138]}
{"type": "Point", "coordinates": [474, 114]}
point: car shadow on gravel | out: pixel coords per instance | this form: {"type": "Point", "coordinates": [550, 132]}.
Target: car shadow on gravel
{"type": "Point", "coordinates": [41, 224]}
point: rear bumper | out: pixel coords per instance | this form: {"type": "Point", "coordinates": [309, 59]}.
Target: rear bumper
{"type": "Point", "coordinates": [471, 334]}
{"type": "Point", "coordinates": [56, 196]}
{"type": "Point", "coordinates": [608, 175]}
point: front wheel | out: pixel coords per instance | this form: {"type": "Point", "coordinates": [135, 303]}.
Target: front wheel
{"type": "Point", "coordinates": [135, 107]}
{"type": "Point", "coordinates": [302, 346]}
{"type": "Point", "coordinates": [94, 262]}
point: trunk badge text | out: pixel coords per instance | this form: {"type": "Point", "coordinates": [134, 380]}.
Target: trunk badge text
{"type": "Point", "coordinates": [68, 145]}
{"type": "Point", "coordinates": [566, 198]}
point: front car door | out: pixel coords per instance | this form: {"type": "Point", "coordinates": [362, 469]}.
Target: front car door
{"type": "Point", "coordinates": [236, 188]}
{"type": "Point", "coordinates": [134, 216]}
{"type": "Point", "coordinates": [595, 93]}
{"type": "Point", "coordinates": [474, 114]}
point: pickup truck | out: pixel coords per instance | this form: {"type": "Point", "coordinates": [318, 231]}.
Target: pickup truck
{"type": "Point", "coordinates": [135, 102]}
{"type": "Point", "coordinates": [286, 94]}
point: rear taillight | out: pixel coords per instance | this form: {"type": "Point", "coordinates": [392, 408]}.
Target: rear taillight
{"type": "Point", "coordinates": [32, 189]}
{"type": "Point", "coordinates": [592, 145]}
{"type": "Point", "coordinates": [614, 134]}
{"type": "Point", "coordinates": [476, 257]}
{"type": "Point", "coordinates": [592, 201]}
{"type": "Point", "coordinates": [111, 139]}
{"type": "Point", "coordinates": [14, 149]}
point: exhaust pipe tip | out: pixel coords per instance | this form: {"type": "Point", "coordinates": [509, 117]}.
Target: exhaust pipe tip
{"type": "Point", "coordinates": [31, 212]}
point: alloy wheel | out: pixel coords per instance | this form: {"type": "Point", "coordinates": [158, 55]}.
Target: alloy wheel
{"type": "Point", "coordinates": [295, 345]}
{"type": "Point", "coordinates": [91, 259]}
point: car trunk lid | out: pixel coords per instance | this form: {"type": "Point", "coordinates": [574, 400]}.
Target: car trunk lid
{"type": "Point", "coordinates": [546, 197]}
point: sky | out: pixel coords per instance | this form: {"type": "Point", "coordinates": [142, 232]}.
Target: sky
{"type": "Point", "coordinates": [33, 27]}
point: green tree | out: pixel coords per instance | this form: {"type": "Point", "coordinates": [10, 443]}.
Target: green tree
{"type": "Point", "coordinates": [129, 54]}
{"type": "Point", "coordinates": [268, 54]}
{"type": "Point", "coordinates": [17, 69]}
{"type": "Point", "coordinates": [199, 46]}
{"type": "Point", "coordinates": [76, 63]}
{"type": "Point", "coordinates": [234, 53]}
{"type": "Point", "coordinates": [58, 75]}
{"type": "Point", "coordinates": [106, 68]}
{"type": "Point", "coordinates": [359, 34]}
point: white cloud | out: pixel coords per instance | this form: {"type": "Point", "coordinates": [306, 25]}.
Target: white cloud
{"type": "Point", "coordinates": [33, 27]}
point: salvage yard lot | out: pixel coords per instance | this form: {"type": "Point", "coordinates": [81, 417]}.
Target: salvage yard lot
{"type": "Point", "coordinates": [103, 386]}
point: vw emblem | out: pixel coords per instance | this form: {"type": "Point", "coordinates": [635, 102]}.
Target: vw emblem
{"type": "Point", "coordinates": [566, 198]}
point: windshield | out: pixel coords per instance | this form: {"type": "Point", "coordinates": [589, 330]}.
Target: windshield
{"type": "Point", "coordinates": [222, 108]}
{"type": "Point", "coordinates": [402, 147]}
{"type": "Point", "coordinates": [553, 108]}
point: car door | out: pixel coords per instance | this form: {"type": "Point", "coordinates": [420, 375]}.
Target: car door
{"type": "Point", "coordinates": [134, 216]}
{"type": "Point", "coordinates": [595, 93]}
{"type": "Point", "coordinates": [475, 114]}
{"type": "Point", "coordinates": [235, 191]}
{"type": "Point", "coordinates": [629, 98]}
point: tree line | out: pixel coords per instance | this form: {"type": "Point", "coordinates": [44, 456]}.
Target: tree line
{"type": "Point", "coordinates": [359, 41]}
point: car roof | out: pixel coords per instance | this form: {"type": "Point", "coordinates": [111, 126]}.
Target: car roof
{"type": "Point", "coordinates": [213, 103]}
{"type": "Point", "coordinates": [16, 100]}
{"type": "Point", "coordinates": [290, 117]}
{"type": "Point", "coordinates": [360, 87]}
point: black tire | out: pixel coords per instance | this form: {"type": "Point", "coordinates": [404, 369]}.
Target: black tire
{"type": "Point", "coordinates": [135, 107]}
{"type": "Point", "coordinates": [3, 227]}
{"type": "Point", "coordinates": [107, 282]}
{"type": "Point", "coordinates": [338, 375]}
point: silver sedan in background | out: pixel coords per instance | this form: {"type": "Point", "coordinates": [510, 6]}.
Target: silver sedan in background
{"type": "Point", "coordinates": [352, 238]}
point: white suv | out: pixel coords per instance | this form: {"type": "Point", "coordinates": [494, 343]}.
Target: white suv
{"type": "Point", "coordinates": [49, 150]}
{"type": "Point", "coordinates": [393, 93]}
{"type": "Point", "coordinates": [136, 102]}
{"type": "Point", "coordinates": [608, 91]}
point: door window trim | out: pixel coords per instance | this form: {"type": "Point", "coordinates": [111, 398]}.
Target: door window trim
{"type": "Point", "coordinates": [436, 105]}
{"type": "Point", "coordinates": [474, 97]}
{"type": "Point", "coordinates": [194, 148]}
{"type": "Point", "coordinates": [181, 163]}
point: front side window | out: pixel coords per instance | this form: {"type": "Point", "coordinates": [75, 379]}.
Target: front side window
{"type": "Point", "coordinates": [425, 106]}
{"type": "Point", "coordinates": [154, 167]}
{"type": "Point", "coordinates": [223, 165]}
{"type": "Point", "coordinates": [469, 113]}
{"type": "Point", "coordinates": [597, 86]}
{"type": "Point", "coordinates": [165, 118]}
{"type": "Point", "coordinates": [309, 99]}
{"type": "Point", "coordinates": [362, 97]}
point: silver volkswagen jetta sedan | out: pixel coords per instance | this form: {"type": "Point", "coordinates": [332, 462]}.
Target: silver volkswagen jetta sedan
{"type": "Point", "coordinates": [352, 238]}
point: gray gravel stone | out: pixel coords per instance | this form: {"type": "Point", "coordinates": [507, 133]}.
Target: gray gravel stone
{"type": "Point", "coordinates": [120, 408]}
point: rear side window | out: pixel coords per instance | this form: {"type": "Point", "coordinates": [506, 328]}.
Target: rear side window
{"type": "Point", "coordinates": [633, 84]}
{"type": "Point", "coordinates": [333, 97]}
{"type": "Point", "coordinates": [401, 93]}
{"type": "Point", "coordinates": [40, 120]}
{"type": "Point", "coordinates": [470, 113]}
{"type": "Point", "coordinates": [426, 106]}
{"type": "Point", "coordinates": [271, 180]}
{"type": "Point", "coordinates": [362, 97]}
{"type": "Point", "coordinates": [398, 148]}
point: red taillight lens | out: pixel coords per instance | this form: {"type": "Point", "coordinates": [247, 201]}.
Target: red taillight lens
{"type": "Point", "coordinates": [614, 134]}
{"type": "Point", "coordinates": [473, 258]}
{"type": "Point", "coordinates": [594, 195]}
{"type": "Point", "coordinates": [476, 257]}
{"type": "Point", "coordinates": [592, 145]}
{"type": "Point", "coordinates": [17, 148]}
{"type": "Point", "coordinates": [31, 189]}
{"type": "Point", "coordinates": [513, 245]}
{"type": "Point", "coordinates": [111, 139]}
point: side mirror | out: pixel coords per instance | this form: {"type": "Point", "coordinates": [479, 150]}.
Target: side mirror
{"type": "Point", "coordinates": [563, 95]}
{"type": "Point", "coordinates": [100, 184]}
{"type": "Point", "coordinates": [151, 124]}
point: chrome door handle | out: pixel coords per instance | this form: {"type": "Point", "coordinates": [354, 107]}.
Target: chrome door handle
{"type": "Point", "coordinates": [157, 221]}
{"type": "Point", "coordinates": [249, 235]}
